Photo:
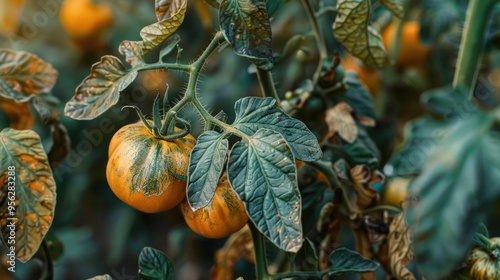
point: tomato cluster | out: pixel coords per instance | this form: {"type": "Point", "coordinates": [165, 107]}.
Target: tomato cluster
{"type": "Point", "coordinates": [149, 174]}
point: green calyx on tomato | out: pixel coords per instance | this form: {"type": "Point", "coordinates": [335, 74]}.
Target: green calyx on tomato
{"type": "Point", "coordinates": [484, 260]}
{"type": "Point", "coordinates": [163, 127]}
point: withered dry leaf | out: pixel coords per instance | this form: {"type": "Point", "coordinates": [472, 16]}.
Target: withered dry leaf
{"type": "Point", "coordinates": [339, 120]}
{"type": "Point", "coordinates": [363, 179]}
{"type": "Point", "coordinates": [400, 249]}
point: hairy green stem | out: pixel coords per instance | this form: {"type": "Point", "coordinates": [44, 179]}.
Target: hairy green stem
{"type": "Point", "coordinates": [49, 266]}
{"type": "Point", "coordinates": [259, 246]}
{"type": "Point", "coordinates": [320, 40]}
{"type": "Point", "coordinates": [471, 46]}
{"type": "Point", "coordinates": [168, 66]}
{"type": "Point", "coordinates": [267, 84]}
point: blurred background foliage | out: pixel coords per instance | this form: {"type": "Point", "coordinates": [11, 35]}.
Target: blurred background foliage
{"type": "Point", "coordinates": [99, 233]}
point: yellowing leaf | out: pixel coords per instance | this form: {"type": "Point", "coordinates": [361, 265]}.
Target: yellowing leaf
{"type": "Point", "coordinates": [339, 120]}
{"type": "Point", "coordinates": [35, 191]}
{"type": "Point", "coordinates": [400, 249]}
{"type": "Point", "coordinates": [25, 72]}
{"type": "Point", "coordinates": [170, 15]}
{"type": "Point", "coordinates": [168, 8]}
{"type": "Point", "coordinates": [351, 29]}
{"type": "Point", "coordinates": [100, 90]}
{"type": "Point", "coordinates": [394, 6]}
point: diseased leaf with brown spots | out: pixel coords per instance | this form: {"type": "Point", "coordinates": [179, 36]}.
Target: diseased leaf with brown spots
{"type": "Point", "coordinates": [247, 28]}
{"type": "Point", "coordinates": [394, 6]}
{"type": "Point", "coordinates": [239, 245]}
{"type": "Point", "coordinates": [351, 29]}
{"type": "Point", "coordinates": [100, 90]}
{"type": "Point", "coordinates": [25, 73]}
{"type": "Point", "coordinates": [339, 120]}
{"type": "Point", "coordinates": [400, 249]}
{"type": "Point", "coordinates": [35, 191]}
{"type": "Point", "coordinates": [170, 15]}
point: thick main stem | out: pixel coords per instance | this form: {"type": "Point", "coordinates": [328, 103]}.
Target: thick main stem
{"type": "Point", "coordinates": [260, 253]}
{"type": "Point", "coordinates": [472, 43]}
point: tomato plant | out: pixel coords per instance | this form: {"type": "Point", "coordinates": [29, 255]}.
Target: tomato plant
{"type": "Point", "coordinates": [286, 132]}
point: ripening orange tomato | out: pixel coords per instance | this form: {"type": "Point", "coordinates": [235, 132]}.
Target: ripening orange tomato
{"type": "Point", "coordinates": [145, 172]}
{"type": "Point", "coordinates": [411, 50]}
{"type": "Point", "coordinates": [85, 22]}
{"type": "Point", "coordinates": [224, 215]}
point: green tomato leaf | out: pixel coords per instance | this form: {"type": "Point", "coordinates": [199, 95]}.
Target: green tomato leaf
{"type": "Point", "coordinates": [345, 261]}
{"type": "Point", "coordinates": [246, 27]}
{"type": "Point", "coordinates": [394, 6]}
{"type": "Point", "coordinates": [422, 135]}
{"type": "Point", "coordinates": [154, 265]}
{"type": "Point", "coordinates": [262, 172]}
{"type": "Point", "coordinates": [26, 73]}
{"type": "Point", "coordinates": [433, 23]}
{"type": "Point", "coordinates": [351, 29]}
{"type": "Point", "coordinates": [253, 113]}
{"type": "Point", "coordinates": [362, 151]}
{"type": "Point", "coordinates": [28, 194]}
{"type": "Point", "coordinates": [100, 90]}
{"type": "Point", "coordinates": [452, 196]}
{"type": "Point", "coordinates": [205, 167]}
{"type": "Point", "coordinates": [272, 6]}
{"type": "Point", "coordinates": [358, 97]}
{"type": "Point", "coordinates": [314, 197]}
{"type": "Point", "coordinates": [169, 45]}
{"type": "Point", "coordinates": [447, 103]}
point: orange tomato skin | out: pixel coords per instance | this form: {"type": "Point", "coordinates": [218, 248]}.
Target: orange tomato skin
{"type": "Point", "coordinates": [140, 168]}
{"type": "Point", "coordinates": [224, 215]}
{"type": "Point", "coordinates": [83, 19]}
{"type": "Point", "coordinates": [411, 50]}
